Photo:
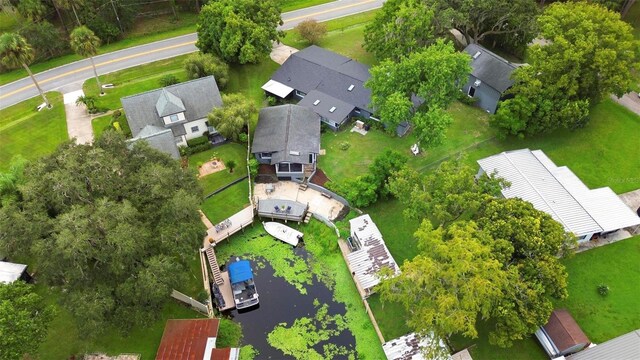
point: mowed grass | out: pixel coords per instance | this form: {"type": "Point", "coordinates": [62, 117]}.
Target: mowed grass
{"type": "Point", "coordinates": [248, 80]}
{"type": "Point", "coordinates": [470, 127]}
{"type": "Point", "coordinates": [226, 203]}
{"type": "Point", "coordinates": [64, 339]}
{"type": "Point", "coordinates": [226, 152]}
{"type": "Point", "coordinates": [32, 134]}
{"type": "Point", "coordinates": [344, 36]}
{"type": "Point", "coordinates": [134, 80]}
{"type": "Point", "coordinates": [100, 124]}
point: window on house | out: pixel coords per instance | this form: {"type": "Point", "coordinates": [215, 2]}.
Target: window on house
{"type": "Point", "coordinates": [173, 118]}
{"type": "Point", "coordinates": [194, 129]}
{"type": "Point", "coordinates": [283, 167]}
{"type": "Point", "coordinates": [265, 156]}
{"type": "Point", "coordinates": [296, 167]}
{"type": "Point", "coordinates": [357, 111]}
{"type": "Point", "coordinates": [472, 91]}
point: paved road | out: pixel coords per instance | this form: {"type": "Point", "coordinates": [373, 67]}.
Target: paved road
{"type": "Point", "coordinates": [72, 75]}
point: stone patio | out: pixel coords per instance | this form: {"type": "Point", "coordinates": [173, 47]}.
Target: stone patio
{"type": "Point", "coordinates": [288, 190]}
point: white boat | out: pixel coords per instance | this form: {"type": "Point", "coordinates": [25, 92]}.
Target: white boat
{"type": "Point", "coordinates": [283, 232]}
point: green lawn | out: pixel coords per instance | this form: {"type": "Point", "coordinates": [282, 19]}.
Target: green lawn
{"type": "Point", "coordinates": [389, 317]}
{"type": "Point", "coordinates": [469, 127]}
{"type": "Point", "coordinates": [226, 152]}
{"type": "Point", "coordinates": [134, 81]}
{"type": "Point", "coordinates": [248, 80]}
{"type": "Point", "coordinates": [30, 133]}
{"type": "Point", "coordinates": [227, 202]}
{"type": "Point", "coordinates": [344, 36]}
{"type": "Point", "coordinates": [100, 124]}
{"type": "Point", "coordinates": [64, 340]}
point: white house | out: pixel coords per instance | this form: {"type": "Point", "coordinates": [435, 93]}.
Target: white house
{"type": "Point", "coordinates": [560, 193]}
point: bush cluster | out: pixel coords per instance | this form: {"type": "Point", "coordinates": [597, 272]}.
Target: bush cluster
{"type": "Point", "coordinates": [198, 141]}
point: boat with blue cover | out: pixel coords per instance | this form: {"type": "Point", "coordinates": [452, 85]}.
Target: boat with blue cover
{"type": "Point", "coordinates": [244, 289]}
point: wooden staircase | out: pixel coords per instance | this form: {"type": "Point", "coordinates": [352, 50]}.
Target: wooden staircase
{"type": "Point", "coordinates": [303, 185]}
{"type": "Point", "coordinates": [213, 264]}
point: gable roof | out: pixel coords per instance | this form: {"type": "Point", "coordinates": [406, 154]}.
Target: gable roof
{"type": "Point", "coordinates": [197, 98]}
{"type": "Point", "coordinates": [168, 104]}
{"type": "Point", "coordinates": [158, 138]}
{"type": "Point", "coordinates": [187, 339]}
{"type": "Point", "coordinates": [324, 105]}
{"type": "Point", "coordinates": [409, 347]}
{"type": "Point", "coordinates": [315, 68]}
{"type": "Point", "coordinates": [290, 132]}
{"type": "Point", "coordinates": [623, 347]}
{"type": "Point", "coordinates": [563, 330]}
{"type": "Point", "coordinates": [490, 68]}
{"type": "Point", "coordinates": [559, 192]}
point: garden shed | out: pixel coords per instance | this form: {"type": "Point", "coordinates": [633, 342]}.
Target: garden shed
{"type": "Point", "coordinates": [562, 335]}
{"type": "Point", "coordinates": [10, 272]}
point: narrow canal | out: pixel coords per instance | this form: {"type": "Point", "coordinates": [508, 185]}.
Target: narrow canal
{"type": "Point", "coordinates": [281, 302]}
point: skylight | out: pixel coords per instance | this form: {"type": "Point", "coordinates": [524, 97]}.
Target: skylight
{"type": "Point", "coordinates": [476, 55]}
{"type": "Point", "coordinates": [296, 153]}
{"type": "Point", "coordinates": [351, 87]}
{"type": "Point", "coordinates": [316, 102]}
{"type": "Point", "coordinates": [333, 108]}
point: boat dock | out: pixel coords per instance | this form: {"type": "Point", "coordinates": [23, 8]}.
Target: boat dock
{"type": "Point", "coordinates": [219, 232]}
{"type": "Point", "coordinates": [221, 292]}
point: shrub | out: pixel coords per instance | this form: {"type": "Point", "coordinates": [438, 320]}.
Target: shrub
{"type": "Point", "coordinates": [199, 164]}
{"type": "Point", "coordinates": [253, 167]}
{"type": "Point", "coordinates": [229, 334]}
{"type": "Point", "coordinates": [345, 145]}
{"type": "Point", "coordinates": [311, 30]}
{"type": "Point", "coordinates": [168, 80]}
{"type": "Point", "coordinates": [190, 150]}
{"type": "Point", "coordinates": [243, 138]}
{"type": "Point", "coordinates": [603, 289]}
{"type": "Point", "coordinates": [197, 141]}
{"type": "Point", "coordinates": [231, 164]}
{"type": "Point", "coordinates": [116, 126]}
{"type": "Point", "coordinates": [272, 101]}
{"type": "Point", "coordinates": [200, 65]}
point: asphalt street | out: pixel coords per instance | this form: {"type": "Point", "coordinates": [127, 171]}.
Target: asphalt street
{"type": "Point", "coordinates": [73, 74]}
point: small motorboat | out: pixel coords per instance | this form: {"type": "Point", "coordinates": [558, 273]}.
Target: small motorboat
{"type": "Point", "coordinates": [283, 232]}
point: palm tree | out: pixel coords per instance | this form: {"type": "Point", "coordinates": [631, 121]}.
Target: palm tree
{"type": "Point", "coordinates": [85, 43]}
{"type": "Point", "coordinates": [15, 51]}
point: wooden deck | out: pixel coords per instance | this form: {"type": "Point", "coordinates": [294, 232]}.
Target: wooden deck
{"type": "Point", "coordinates": [282, 209]}
{"type": "Point", "coordinates": [227, 293]}
{"type": "Point", "coordinates": [239, 221]}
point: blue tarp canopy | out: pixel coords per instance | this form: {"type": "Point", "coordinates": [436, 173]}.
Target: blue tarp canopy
{"type": "Point", "coordinates": [240, 271]}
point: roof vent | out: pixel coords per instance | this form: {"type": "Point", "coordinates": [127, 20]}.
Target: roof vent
{"type": "Point", "coordinates": [477, 83]}
{"type": "Point", "coordinates": [296, 153]}
{"type": "Point", "coordinates": [316, 102]}
{"type": "Point", "coordinates": [476, 55]}
{"type": "Point", "coordinates": [351, 87]}
{"type": "Point", "coordinates": [333, 108]}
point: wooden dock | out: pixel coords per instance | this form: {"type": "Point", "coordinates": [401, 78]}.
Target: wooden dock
{"type": "Point", "coordinates": [239, 221]}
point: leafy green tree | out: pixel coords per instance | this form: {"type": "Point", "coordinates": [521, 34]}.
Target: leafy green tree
{"type": "Point", "coordinates": [199, 65]}
{"type": "Point", "coordinates": [85, 43]}
{"type": "Point", "coordinates": [74, 5]}
{"type": "Point", "coordinates": [47, 41]}
{"type": "Point", "coordinates": [15, 51]}
{"type": "Point", "coordinates": [591, 53]}
{"type": "Point", "coordinates": [110, 226]}
{"type": "Point", "coordinates": [24, 320]}
{"type": "Point", "coordinates": [232, 118]}
{"type": "Point", "coordinates": [168, 80]}
{"type": "Point", "coordinates": [11, 180]}
{"type": "Point", "coordinates": [383, 167]}
{"type": "Point", "coordinates": [478, 19]}
{"type": "Point", "coordinates": [239, 31]}
{"type": "Point", "coordinates": [311, 30]}
{"type": "Point", "coordinates": [447, 194]}
{"type": "Point", "coordinates": [33, 10]}
{"type": "Point", "coordinates": [432, 76]}
{"type": "Point", "coordinates": [400, 28]}
{"type": "Point", "coordinates": [361, 191]}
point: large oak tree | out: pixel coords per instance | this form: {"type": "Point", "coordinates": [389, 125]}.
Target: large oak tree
{"type": "Point", "coordinates": [239, 31]}
{"type": "Point", "coordinates": [111, 227]}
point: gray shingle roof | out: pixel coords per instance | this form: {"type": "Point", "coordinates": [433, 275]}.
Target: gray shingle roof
{"type": "Point", "coordinates": [315, 68]}
{"type": "Point", "coordinates": [490, 68]}
{"type": "Point", "coordinates": [341, 111]}
{"type": "Point", "coordinates": [285, 131]}
{"type": "Point", "coordinates": [168, 104]}
{"type": "Point", "coordinates": [198, 98]}
{"type": "Point", "coordinates": [160, 139]}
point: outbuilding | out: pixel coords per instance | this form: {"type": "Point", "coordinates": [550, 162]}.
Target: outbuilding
{"type": "Point", "coordinates": [10, 272]}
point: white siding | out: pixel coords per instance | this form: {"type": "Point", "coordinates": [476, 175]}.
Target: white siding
{"type": "Point", "coordinates": [202, 127]}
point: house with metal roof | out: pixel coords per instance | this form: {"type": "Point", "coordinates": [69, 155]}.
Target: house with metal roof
{"type": "Point", "coordinates": [560, 193]}
{"type": "Point", "coordinates": [368, 254]}
{"type": "Point", "coordinates": [411, 347]}
{"type": "Point", "coordinates": [624, 347]}
{"type": "Point", "coordinates": [561, 335]}
{"type": "Point", "coordinates": [288, 137]}
{"type": "Point", "coordinates": [11, 272]}
{"type": "Point", "coordinates": [193, 339]}
{"type": "Point", "coordinates": [330, 84]}
{"type": "Point", "coordinates": [181, 108]}
{"type": "Point", "coordinates": [490, 77]}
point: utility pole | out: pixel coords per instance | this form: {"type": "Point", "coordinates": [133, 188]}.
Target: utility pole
{"type": "Point", "coordinates": [117, 17]}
